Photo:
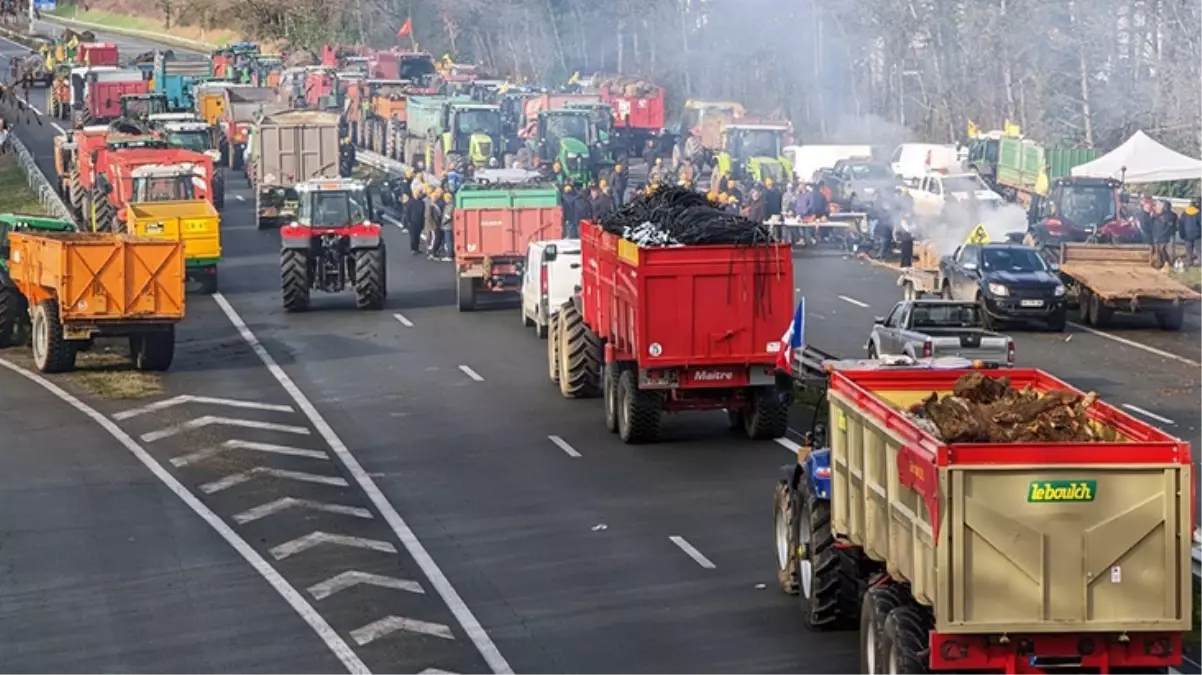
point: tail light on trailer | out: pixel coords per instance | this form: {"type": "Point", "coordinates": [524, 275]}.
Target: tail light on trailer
{"type": "Point", "coordinates": [927, 349]}
{"type": "Point", "coordinates": [543, 285]}
{"type": "Point", "coordinates": [1010, 353]}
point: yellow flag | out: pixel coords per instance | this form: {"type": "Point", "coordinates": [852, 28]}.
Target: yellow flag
{"type": "Point", "coordinates": [978, 236]}
{"type": "Point", "coordinates": [1012, 129]}
{"type": "Point", "coordinates": [973, 131]}
{"type": "Point", "coordinates": [1041, 182]}
{"type": "Point", "coordinates": [575, 79]}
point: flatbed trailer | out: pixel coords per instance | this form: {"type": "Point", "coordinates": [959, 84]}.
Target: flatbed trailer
{"type": "Point", "coordinates": [673, 329]}
{"type": "Point", "coordinates": [1105, 279]}
{"type": "Point", "coordinates": [977, 557]}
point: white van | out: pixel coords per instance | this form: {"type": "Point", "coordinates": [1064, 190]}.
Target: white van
{"type": "Point", "coordinates": [550, 278]}
{"type": "Point", "coordinates": [914, 161]}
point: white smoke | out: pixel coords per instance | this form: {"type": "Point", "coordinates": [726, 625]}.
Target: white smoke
{"type": "Point", "coordinates": [949, 234]}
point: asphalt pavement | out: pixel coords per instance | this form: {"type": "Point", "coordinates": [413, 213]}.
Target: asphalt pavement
{"type": "Point", "coordinates": [575, 552]}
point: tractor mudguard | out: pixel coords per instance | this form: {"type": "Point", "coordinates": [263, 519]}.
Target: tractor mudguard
{"type": "Point", "coordinates": [362, 241]}
{"type": "Point", "coordinates": [295, 242]}
{"type": "Point", "coordinates": [817, 469]}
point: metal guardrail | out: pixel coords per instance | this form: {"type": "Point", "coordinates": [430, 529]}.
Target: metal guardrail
{"type": "Point", "coordinates": [41, 186]}
{"type": "Point", "coordinates": [380, 162]}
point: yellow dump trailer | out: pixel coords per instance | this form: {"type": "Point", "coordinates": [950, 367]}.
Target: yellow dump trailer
{"type": "Point", "coordinates": [987, 557]}
{"type": "Point", "coordinates": [195, 223]}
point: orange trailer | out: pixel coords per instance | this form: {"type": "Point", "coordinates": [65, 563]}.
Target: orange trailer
{"type": "Point", "coordinates": [82, 285]}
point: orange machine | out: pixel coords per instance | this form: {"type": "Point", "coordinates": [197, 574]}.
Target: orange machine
{"type": "Point", "coordinates": [81, 286]}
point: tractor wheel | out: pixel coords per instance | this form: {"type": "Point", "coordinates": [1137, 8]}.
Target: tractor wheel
{"type": "Point", "coordinates": [75, 192]}
{"type": "Point", "coordinates": [369, 278]}
{"type": "Point", "coordinates": [219, 190]}
{"type": "Point", "coordinates": [106, 213]}
{"type": "Point", "coordinates": [9, 307]}
{"type": "Point", "coordinates": [51, 352]}
{"type": "Point", "coordinates": [153, 352]}
{"type": "Point", "coordinates": [784, 519]}
{"type": "Point", "coordinates": [1171, 318]}
{"type": "Point", "coordinates": [209, 282]}
{"type": "Point", "coordinates": [465, 294]}
{"type": "Point", "coordinates": [639, 411]}
{"type": "Point", "coordinates": [294, 280]}
{"type": "Point", "coordinates": [390, 136]}
{"type": "Point", "coordinates": [878, 603]}
{"type": "Point", "coordinates": [579, 356]}
{"type": "Point", "coordinates": [609, 393]}
{"type": "Point", "coordinates": [906, 637]}
{"type": "Point", "coordinates": [767, 418]}
{"type": "Point", "coordinates": [828, 576]}
{"type": "Point", "coordinates": [553, 348]}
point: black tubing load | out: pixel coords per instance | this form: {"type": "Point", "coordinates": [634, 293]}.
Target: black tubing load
{"type": "Point", "coordinates": [677, 216]}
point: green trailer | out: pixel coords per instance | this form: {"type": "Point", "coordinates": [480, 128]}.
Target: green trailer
{"type": "Point", "coordinates": [1013, 165]}
{"type": "Point", "coordinates": [13, 306]}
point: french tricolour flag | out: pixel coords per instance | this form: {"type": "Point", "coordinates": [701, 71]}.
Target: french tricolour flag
{"type": "Point", "coordinates": [794, 338]}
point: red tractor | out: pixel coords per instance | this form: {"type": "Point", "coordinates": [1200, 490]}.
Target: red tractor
{"type": "Point", "coordinates": [1081, 209]}
{"type": "Point", "coordinates": [148, 174]}
{"type": "Point", "coordinates": [334, 244]}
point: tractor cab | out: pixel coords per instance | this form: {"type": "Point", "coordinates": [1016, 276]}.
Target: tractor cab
{"type": "Point", "coordinates": [417, 68]}
{"type": "Point", "coordinates": [513, 111]}
{"type": "Point", "coordinates": [473, 131]}
{"type": "Point", "coordinates": [232, 61]}
{"type": "Point", "coordinates": [333, 204]}
{"type": "Point", "coordinates": [266, 71]}
{"type": "Point", "coordinates": [565, 136]}
{"type": "Point", "coordinates": [1079, 209]}
{"type": "Point", "coordinates": [141, 106]}
{"type": "Point", "coordinates": [194, 136]}
{"type": "Point", "coordinates": [163, 183]}
{"type": "Point", "coordinates": [754, 151]}
{"type": "Point", "coordinates": [119, 141]}
{"type": "Point", "coordinates": [602, 116]}
{"type": "Point", "coordinates": [159, 119]}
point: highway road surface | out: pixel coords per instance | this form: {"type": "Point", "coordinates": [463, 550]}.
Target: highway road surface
{"type": "Point", "coordinates": [421, 499]}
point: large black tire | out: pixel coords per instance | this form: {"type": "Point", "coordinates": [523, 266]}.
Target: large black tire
{"type": "Point", "coordinates": [784, 521]}
{"type": "Point", "coordinates": [369, 278]}
{"type": "Point", "coordinates": [218, 190]}
{"type": "Point", "coordinates": [9, 303]}
{"type": "Point", "coordinates": [465, 294]}
{"type": "Point", "coordinates": [830, 601]}
{"type": "Point", "coordinates": [106, 213]}
{"type": "Point", "coordinates": [294, 280]}
{"type": "Point", "coordinates": [51, 352]}
{"type": "Point", "coordinates": [236, 156]}
{"type": "Point", "coordinates": [1100, 315]}
{"type": "Point", "coordinates": [878, 602]}
{"type": "Point", "coordinates": [609, 393]}
{"type": "Point", "coordinates": [1171, 319]}
{"type": "Point", "coordinates": [209, 282]}
{"type": "Point", "coordinates": [153, 352]}
{"type": "Point", "coordinates": [553, 338]}
{"type": "Point", "coordinates": [76, 193]}
{"type": "Point", "coordinates": [580, 356]}
{"type": "Point", "coordinates": [906, 638]}
{"type": "Point", "coordinates": [1058, 321]}
{"type": "Point", "coordinates": [767, 416]}
{"type": "Point", "coordinates": [639, 411]}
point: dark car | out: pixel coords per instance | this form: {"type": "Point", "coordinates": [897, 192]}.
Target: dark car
{"type": "Point", "coordinates": [1012, 282]}
{"type": "Point", "coordinates": [855, 183]}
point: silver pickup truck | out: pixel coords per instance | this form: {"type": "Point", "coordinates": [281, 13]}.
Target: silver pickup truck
{"type": "Point", "coordinates": [934, 328]}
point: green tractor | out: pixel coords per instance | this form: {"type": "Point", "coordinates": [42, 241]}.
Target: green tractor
{"type": "Point", "coordinates": [14, 310]}
{"type": "Point", "coordinates": [604, 150]}
{"type": "Point", "coordinates": [568, 136]}
{"type": "Point", "coordinates": [754, 151]}
{"type": "Point", "coordinates": [471, 132]}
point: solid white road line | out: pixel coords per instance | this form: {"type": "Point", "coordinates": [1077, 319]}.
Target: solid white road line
{"type": "Point", "coordinates": [392, 220]}
{"type": "Point", "coordinates": [404, 322]}
{"type": "Point", "coordinates": [285, 503]}
{"type": "Point", "coordinates": [295, 600]}
{"type": "Point", "coordinates": [1145, 413]}
{"type": "Point", "coordinates": [480, 638]}
{"type": "Point", "coordinates": [789, 444]}
{"type": "Point", "coordinates": [1137, 345]}
{"type": "Point", "coordinates": [208, 420]}
{"type": "Point", "coordinates": [341, 582]}
{"type": "Point", "coordinates": [853, 301]}
{"type": "Point", "coordinates": [692, 552]}
{"type": "Point", "coordinates": [435, 671]}
{"type": "Point", "coordinates": [240, 198]}
{"type": "Point", "coordinates": [180, 400]}
{"type": "Point", "coordinates": [199, 455]}
{"type": "Point", "coordinates": [240, 478]}
{"type": "Point", "coordinates": [58, 128]}
{"type": "Point", "coordinates": [392, 624]}
{"type": "Point", "coordinates": [563, 445]}
{"type": "Point", "coordinates": [302, 544]}
{"type": "Point", "coordinates": [467, 370]}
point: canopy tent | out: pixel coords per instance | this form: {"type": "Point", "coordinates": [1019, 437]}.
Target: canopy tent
{"type": "Point", "coordinates": [1142, 160]}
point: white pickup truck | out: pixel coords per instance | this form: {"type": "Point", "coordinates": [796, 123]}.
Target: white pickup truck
{"type": "Point", "coordinates": [936, 191]}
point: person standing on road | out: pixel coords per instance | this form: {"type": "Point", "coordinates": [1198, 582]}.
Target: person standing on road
{"type": "Point", "coordinates": [1164, 227]}
{"type": "Point", "coordinates": [432, 221]}
{"type": "Point", "coordinates": [411, 218]}
{"type": "Point", "coordinates": [443, 248]}
{"type": "Point", "coordinates": [773, 199]}
{"type": "Point", "coordinates": [571, 212]}
{"type": "Point", "coordinates": [1189, 228]}
{"type": "Point", "coordinates": [618, 180]}
{"type": "Point", "coordinates": [757, 209]}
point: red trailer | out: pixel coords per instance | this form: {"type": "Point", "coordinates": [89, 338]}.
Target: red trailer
{"type": "Point", "coordinates": [638, 107]}
{"type": "Point", "coordinates": [97, 54]}
{"type": "Point", "coordinates": [493, 229]}
{"type": "Point", "coordinates": [677, 328]}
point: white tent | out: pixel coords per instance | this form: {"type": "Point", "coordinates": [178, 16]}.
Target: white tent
{"type": "Point", "coordinates": [1142, 160]}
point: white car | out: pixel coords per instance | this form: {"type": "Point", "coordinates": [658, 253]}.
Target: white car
{"type": "Point", "coordinates": [551, 276]}
{"type": "Point", "coordinates": [934, 190]}
{"type": "Point", "coordinates": [913, 161]}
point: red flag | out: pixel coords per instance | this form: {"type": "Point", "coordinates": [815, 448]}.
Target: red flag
{"type": "Point", "coordinates": [406, 28]}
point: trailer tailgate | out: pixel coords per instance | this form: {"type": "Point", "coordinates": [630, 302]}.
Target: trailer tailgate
{"type": "Point", "coordinates": [1119, 271]}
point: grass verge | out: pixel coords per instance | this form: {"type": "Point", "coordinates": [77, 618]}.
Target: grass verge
{"type": "Point", "coordinates": [1191, 277]}
{"type": "Point", "coordinates": [15, 195]}
{"type": "Point", "coordinates": [132, 22]}
{"type": "Point", "coordinates": [107, 372]}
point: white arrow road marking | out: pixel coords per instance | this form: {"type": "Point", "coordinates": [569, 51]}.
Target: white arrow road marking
{"type": "Point", "coordinates": [392, 624]}
{"type": "Point", "coordinates": [181, 400]}
{"type": "Point", "coordinates": [226, 421]}
{"type": "Point", "coordinates": [192, 458]}
{"type": "Point", "coordinates": [285, 503]}
{"type": "Point", "coordinates": [350, 579]}
{"type": "Point", "coordinates": [301, 544]}
{"type": "Point", "coordinates": [240, 478]}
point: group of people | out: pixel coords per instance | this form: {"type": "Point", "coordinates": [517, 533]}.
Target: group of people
{"type": "Point", "coordinates": [1163, 228]}
{"type": "Point", "coordinates": [427, 212]}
